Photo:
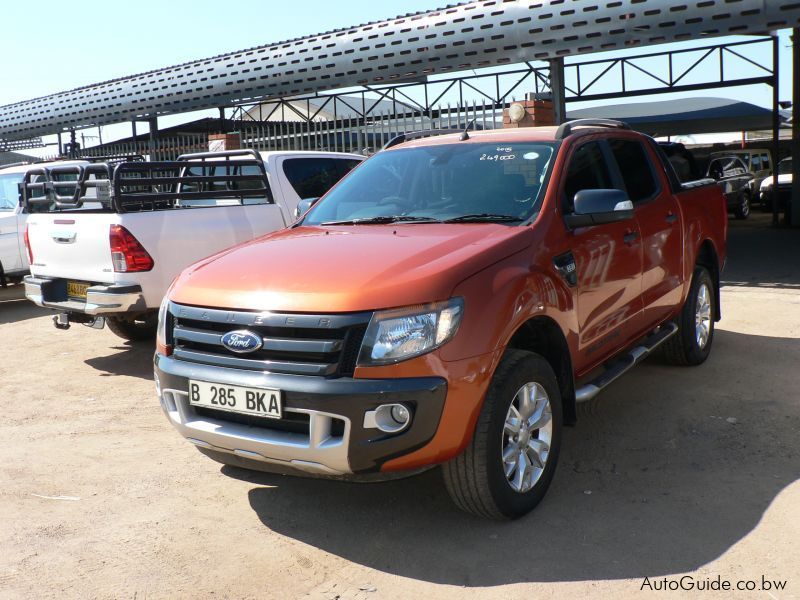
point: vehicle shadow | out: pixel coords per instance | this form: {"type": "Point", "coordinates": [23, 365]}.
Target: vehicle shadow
{"type": "Point", "coordinates": [132, 359]}
{"type": "Point", "coordinates": [665, 473]}
{"type": "Point", "coordinates": [14, 307]}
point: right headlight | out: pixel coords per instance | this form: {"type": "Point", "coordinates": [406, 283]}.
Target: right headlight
{"type": "Point", "coordinates": [396, 335]}
{"type": "Point", "coordinates": [162, 345]}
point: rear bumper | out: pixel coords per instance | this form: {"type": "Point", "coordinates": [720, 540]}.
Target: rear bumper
{"type": "Point", "coordinates": [100, 299]}
{"type": "Point", "coordinates": [331, 438]}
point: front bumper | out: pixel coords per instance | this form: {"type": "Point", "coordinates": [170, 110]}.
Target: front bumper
{"type": "Point", "coordinates": [331, 438]}
{"type": "Point", "coordinates": [100, 298]}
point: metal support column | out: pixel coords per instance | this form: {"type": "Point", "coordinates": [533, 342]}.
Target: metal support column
{"type": "Point", "coordinates": [153, 134]}
{"type": "Point", "coordinates": [221, 119]}
{"type": "Point", "coordinates": [73, 151]}
{"type": "Point", "coordinates": [795, 145]}
{"type": "Point", "coordinates": [776, 123]}
{"type": "Point", "coordinates": [558, 90]}
{"type": "Point", "coordinates": [60, 146]}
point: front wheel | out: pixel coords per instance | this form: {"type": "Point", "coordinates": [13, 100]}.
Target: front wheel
{"type": "Point", "coordinates": [506, 469]}
{"type": "Point", "coordinates": [136, 329]}
{"type": "Point", "coordinates": [691, 345]}
{"type": "Point", "coordinates": [743, 209]}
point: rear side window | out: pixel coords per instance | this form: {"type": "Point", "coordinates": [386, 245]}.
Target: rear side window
{"type": "Point", "coordinates": [635, 168]}
{"type": "Point", "coordinates": [756, 162]}
{"type": "Point", "coordinates": [312, 177]}
{"type": "Point", "coordinates": [587, 171]}
{"type": "Point", "coordinates": [258, 182]}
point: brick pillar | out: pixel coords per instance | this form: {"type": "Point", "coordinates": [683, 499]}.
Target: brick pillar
{"type": "Point", "coordinates": [219, 142]}
{"type": "Point", "coordinates": [534, 113]}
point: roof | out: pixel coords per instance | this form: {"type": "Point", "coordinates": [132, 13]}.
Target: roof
{"type": "Point", "coordinates": [322, 108]}
{"type": "Point", "coordinates": [690, 115]}
{"type": "Point", "coordinates": [26, 167]}
{"type": "Point", "coordinates": [521, 134]}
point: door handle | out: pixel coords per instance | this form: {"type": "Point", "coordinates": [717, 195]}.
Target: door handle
{"type": "Point", "coordinates": [630, 237]}
{"type": "Point", "coordinates": [671, 218]}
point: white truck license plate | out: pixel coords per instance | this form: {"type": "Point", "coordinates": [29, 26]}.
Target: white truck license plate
{"type": "Point", "coordinates": [233, 398]}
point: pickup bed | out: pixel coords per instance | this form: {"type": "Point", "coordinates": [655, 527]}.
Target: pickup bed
{"type": "Point", "coordinates": [448, 303]}
{"type": "Point", "coordinates": [106, 240]}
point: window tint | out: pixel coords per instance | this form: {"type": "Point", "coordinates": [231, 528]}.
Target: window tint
{"type": "Point", "coordinates": [637, 173]}
{"type": "Point", "coordinates": [755, 163]}
{"type": "Point", "coordinates": [587, 171]}
{"type": "Point", "coordinates": [312, 177]}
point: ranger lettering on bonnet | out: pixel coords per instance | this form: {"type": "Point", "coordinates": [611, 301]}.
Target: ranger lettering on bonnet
{"type": "Point", "coordinates": [447, 303]}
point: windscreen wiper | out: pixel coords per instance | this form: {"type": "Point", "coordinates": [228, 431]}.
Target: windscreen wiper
{"type": "Point", "coordinates": [482, 218]}
{"type": "Point", "coordinates": [383, 219]}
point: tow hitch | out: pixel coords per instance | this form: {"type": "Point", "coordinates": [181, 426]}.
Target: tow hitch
{"type": "Point", "coordinates": [64, 320]}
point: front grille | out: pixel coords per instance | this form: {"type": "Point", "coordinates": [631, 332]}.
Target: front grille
{"type": "Point", "coordinates": [300, 344]}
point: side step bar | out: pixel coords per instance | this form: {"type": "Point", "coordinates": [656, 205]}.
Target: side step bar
{"type": "Point", "coordinates": [622, 364]}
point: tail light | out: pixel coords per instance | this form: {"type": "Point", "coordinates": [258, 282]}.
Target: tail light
{"type": "Point", "coordinates": [127, 254]}
{"type": "Point", "coordinates": [27, 239]}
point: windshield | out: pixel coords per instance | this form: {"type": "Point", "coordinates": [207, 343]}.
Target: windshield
{"type": "Point", "coordinates": [465, 181]}
{"type": "Point", "coordinates": [785, 167]}
{"type": "Point", "coordinates": [9, 192]}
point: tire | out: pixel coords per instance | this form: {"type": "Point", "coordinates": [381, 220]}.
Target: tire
{"type": "Point", "coordinates": [476, 479]}
{"type": "Point", "coordinates": [138, 329]}
{"type": "Point", "coordinates": [686, 347]}
{"type": "Point", "coordinates": [742, 210]}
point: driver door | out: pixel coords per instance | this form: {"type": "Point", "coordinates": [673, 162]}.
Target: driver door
{"type": "Point", "coordinates": [608, 262]}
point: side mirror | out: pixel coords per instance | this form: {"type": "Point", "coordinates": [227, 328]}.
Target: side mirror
{"type": "Point", "coordinates": [303, 206]}
{"type": "Point", "coordinates": [595, 207]}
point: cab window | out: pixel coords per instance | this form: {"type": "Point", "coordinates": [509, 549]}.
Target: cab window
{"type": "Point", "coordinates": [312, 177]}
{"type": "Point", "coordinates": [635, 168]}
{"type": "Point", "coordinates": [587, 171]}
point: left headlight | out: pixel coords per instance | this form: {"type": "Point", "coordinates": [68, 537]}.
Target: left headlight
{"type": "Point", "coordinates": [400, 334]}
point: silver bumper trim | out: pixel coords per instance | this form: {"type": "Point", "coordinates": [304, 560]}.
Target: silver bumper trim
{"type": "Point", "coordinates": [318, 452]}
{"type": "Point", "coordinates": [100, 299]}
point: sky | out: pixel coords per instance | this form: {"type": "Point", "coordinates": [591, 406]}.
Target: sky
{"type": "Point", "coordinates": [70, 44]}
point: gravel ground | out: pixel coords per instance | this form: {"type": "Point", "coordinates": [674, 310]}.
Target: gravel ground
{"type": "Point", "coordinates": [671, 471]}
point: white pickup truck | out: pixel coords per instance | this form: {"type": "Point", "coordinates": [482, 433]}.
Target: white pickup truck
{"type": "Point", "coordinates": [13, 256]}
{"type": "Point", "coordinates": [106, 240]}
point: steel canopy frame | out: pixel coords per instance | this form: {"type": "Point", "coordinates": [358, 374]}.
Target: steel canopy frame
{"type": "Point", "coordinates": [460, 37]}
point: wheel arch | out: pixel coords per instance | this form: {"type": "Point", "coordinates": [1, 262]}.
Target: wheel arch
{"type": "Point", "coordinates": [543, 336]}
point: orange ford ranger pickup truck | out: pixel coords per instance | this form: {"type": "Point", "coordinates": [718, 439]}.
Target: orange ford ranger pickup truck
{"type": "Point", "coordinates": [447, 303]}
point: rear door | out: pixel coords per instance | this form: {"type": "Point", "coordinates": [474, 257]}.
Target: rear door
{"type": "Point", "coordinates": [608, 261]}
{"type": "Point", "coordinates": [660, 225]}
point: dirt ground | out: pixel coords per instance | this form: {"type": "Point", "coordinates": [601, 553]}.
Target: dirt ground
{"type": "Point", "coordinates": [673, 471]}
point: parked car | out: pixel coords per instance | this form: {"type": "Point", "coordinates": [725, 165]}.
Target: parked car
{"type": "Point", "coordinates": [758, 161]}
{"type": "Point", "coordinates": [682, 160]}
{"type": "Point", "coordinates": [14, 263]}
{"type": "Point", "coordinates": [735, 180]}
{"type": "Point", "coordinates": [112, 264]}
{"type": "Point", "coordinates": [769, 194]}
{"type": "Point", "coordinates": [449, 302]}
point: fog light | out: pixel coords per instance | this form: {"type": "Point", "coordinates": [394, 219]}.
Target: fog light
{"type": "Point", "coordinates": [400, 414]}
{"type": "Point", "coordinates": [389, 418]}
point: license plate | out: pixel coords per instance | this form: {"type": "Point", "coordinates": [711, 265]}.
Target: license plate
{"type": "Point", "coordinates": [258, 402]}
{"type": "Point", "coordinates": [77, 289]}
